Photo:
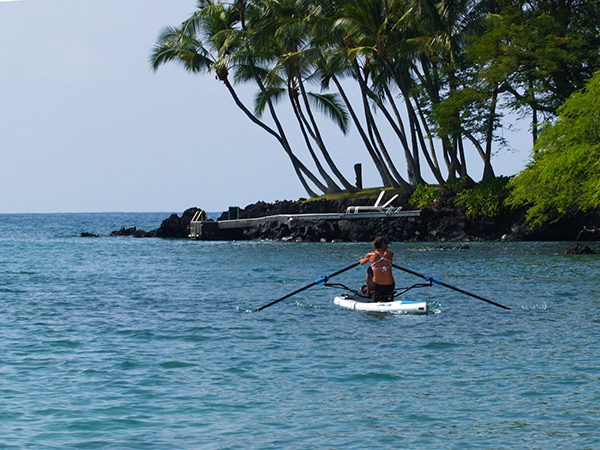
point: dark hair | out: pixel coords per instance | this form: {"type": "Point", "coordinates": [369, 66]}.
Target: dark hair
{"type": "Point", "coordinates": [379, 241]}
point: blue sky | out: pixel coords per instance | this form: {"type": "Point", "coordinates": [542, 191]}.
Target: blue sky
{"type": "Point", "coordinates": [86, 126]}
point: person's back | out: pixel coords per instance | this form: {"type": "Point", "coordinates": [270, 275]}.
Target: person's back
{"type": "Point", "coordinates": [379, 276]}
{"type": "Point", "coordinates": [381, 263]}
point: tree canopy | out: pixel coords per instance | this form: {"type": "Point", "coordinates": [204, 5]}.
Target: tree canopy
{"type": "Point", "coordinates": [564, 176]}
{"type": "Point", "coordinates": [434, 78]}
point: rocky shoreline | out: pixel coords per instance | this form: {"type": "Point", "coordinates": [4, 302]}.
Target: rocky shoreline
{"type": "Point", "coordinates": [442, 223]}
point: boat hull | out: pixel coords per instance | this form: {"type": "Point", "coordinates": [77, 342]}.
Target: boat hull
{"type": "Point", "coordinates": [397, 306]}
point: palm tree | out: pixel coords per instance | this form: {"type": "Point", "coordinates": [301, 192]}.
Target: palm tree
{"type": "Point", "coordinates": [281, 39]}
{"type": "Point", "coordinates": [382, 54]}
{"type": "Point", "coordinates": [223, 47]}
{"type": "Point", "coordinates": [453, 94]}
{"type": "Point", "coordinates": [409, 58]}
{"type": "Point", "coordinates": [332, 63]}
{"type": "Point", "coordinates": [331, 51]}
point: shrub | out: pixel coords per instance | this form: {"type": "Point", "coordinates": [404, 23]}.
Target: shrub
{"type": "Point", "coordinates": [458, 185]}
{"type": "Point", "coordinates": [487, 199]}
{"type": "Point", "coordinates": [427, 195]}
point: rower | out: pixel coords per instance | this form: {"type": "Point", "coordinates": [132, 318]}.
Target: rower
{"type": "Point", "coordinates": [379, 279]}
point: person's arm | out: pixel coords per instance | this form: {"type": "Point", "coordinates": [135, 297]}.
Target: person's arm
{"type": "Point", "coordinates": [366, 259]}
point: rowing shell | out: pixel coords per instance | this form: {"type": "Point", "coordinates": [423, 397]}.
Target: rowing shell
{"type": "Point", "coordinates": [403, 306]}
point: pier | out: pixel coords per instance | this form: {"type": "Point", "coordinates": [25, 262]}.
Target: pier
{"type": "Point", "coordinates": [201, 229]}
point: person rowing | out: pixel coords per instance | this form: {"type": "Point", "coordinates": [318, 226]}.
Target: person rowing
{"type": "Point", "coordinates": [379, 278]}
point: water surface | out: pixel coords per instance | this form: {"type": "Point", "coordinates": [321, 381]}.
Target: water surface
{"type": "Point", "coordinates": [149, 343]}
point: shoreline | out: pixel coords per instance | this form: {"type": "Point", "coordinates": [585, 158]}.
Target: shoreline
{"type": "Point", "coordinates": [441, 223]}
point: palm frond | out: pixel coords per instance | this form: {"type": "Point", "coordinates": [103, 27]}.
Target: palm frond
{"type": "Point", "coordinates": [261, 100]}
{"type": "Point", "coordinates": [332, 107]}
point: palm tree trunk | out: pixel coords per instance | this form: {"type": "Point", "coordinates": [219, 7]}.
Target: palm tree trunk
{"type": "Point", "coordinates": [488, 171]}
{"type": "Point", "coordinates": [383, 173]}
{"type": "Point", "coordinates": [398, 127]}
{"type": "Point", "coordinates": [298, 166]}
{"type": "Point", "coordinates": [394, 178]}
{"type": "Point", "coordinates": [412, 115]}
{"type": "Point", "coordinates": [316, 135]}
{"type": "Point", "coordinates": [332, 186]}
{"type": "Point", "coordinates": [430, 155]}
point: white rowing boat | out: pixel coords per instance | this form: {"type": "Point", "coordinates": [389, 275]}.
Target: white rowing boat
{"type": "Point", "coordinates": [398, 306]}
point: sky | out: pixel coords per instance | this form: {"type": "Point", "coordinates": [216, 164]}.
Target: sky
{"type": "Point", "coordinates": [87, 126]}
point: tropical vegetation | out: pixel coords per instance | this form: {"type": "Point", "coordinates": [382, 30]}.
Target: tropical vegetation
{"type": "Point", "coordinates": [424, 83]}
{"type": "Point", "coordinates": [564, 176]}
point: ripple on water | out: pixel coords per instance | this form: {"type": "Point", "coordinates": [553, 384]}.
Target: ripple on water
{"type": "Point", "coordinates": [122, 343]}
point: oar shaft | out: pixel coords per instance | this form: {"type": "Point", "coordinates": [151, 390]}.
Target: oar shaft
{"type": "Point", "coordinates": [286, 296]}
{"type": "Point", "coordinates": [314, 283]}
{"type": "Point", "coordinates": [449, 286]}
{"type": "Point", "coordinates": [462, 291]}
{"type": "Point", "coordinates": [322, 279]}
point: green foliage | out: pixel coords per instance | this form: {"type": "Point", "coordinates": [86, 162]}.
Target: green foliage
{"type": "Point", "coordinates": [365, 195]}
{"type": "Point", "coordinates": [564, 176]}
{"type": "Point", "coordinates": [427, 195]}
{"type": "Point", "coordinates": [433, 194]}
{"type": "Point", "coordinates": [540, 55]}
{"type": "Point", "coordinates": [457, 185]}
{"type": "Point", "coordinates": [487, 199]}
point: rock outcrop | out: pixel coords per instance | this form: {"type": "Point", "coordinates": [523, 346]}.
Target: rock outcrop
{"type": "Point", "coordinates": [578, 249]}
{"type": "Point", "coordinates": [443, 222]}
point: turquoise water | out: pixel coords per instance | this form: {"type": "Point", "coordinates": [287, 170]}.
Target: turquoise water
{"type": "Point", "coordinates": [148, 343]}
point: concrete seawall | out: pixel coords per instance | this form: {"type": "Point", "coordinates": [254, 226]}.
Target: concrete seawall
{"type": "Point", "coordinates": [235, 229]}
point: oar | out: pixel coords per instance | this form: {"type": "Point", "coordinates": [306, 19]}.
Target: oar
{"type": "Point", "coordinates": [441, 283]}
{"type": "Point", "coordinates": [314, 283]}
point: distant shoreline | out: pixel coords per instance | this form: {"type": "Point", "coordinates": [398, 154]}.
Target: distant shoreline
{"type": "Point", "coordinates": [442, 223]}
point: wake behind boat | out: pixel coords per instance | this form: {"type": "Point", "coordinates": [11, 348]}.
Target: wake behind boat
{"type": "Point", "coordinates": [361, 303]}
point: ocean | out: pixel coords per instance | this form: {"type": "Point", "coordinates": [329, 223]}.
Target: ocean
{"type": "Point", "coordinates": [129, 343]}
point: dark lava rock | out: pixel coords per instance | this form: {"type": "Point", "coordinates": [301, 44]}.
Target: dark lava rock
{"type": "Point", "coordinates": [172, 227]}
{"type": "Point", "coordinates": [578, 249]}
{"type": "Point", "coordinates": [441, 223]}
{"type": "Point", "coordinates": [175, 226]}
{"type": "Point", "coordinates": [132, 231]}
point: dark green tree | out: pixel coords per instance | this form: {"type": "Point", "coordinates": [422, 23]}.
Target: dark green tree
{"type": "Point", "coordinates": [538, 53]}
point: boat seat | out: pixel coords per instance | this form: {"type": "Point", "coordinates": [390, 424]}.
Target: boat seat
{"type": "Point", "coordinates": [380, 297]}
